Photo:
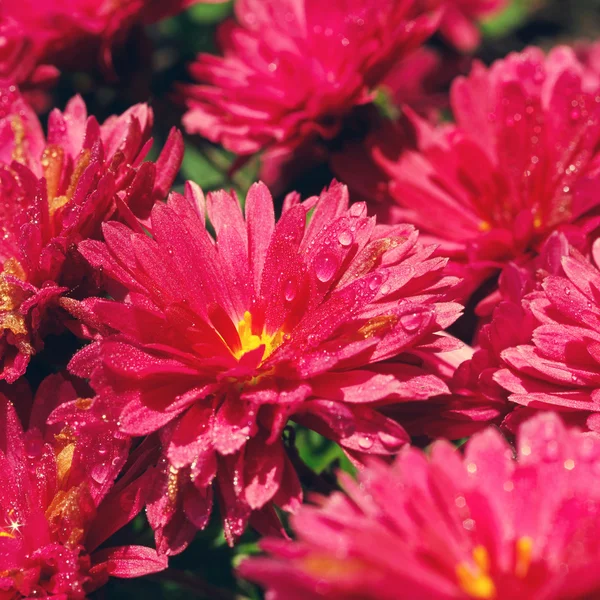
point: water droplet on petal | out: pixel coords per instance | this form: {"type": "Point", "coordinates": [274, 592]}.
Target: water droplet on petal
{"type": "Point", "coordinates": [289, 290]}
{"type": "Point", "coordinates": [411, 322]}
{"type": "Point", "coordinates": [312, 339]}
{"type": "Point", "coordinates": [345, 238]}
{"type": "Point", "coordinates": [375, 282]}
{"type": "Point", "coordinates": [325, 267]}
{"type": "Point", "coordinates": [33, 447]}
{"type": "Point", "coordinates": [365, 442]}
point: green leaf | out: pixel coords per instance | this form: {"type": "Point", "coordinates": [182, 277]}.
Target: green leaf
{"type": "Point", "coordinates": [208, 14]}
{"type": "Point", "coordinates": [319, 453]}
{"type": "Point", "coordinates": [507, 20]}
{"type": "Point", "coordinates": [200, 169]}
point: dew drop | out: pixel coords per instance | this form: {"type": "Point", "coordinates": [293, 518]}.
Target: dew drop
{"type": "Point", "coordinates": [365, 442]}
{"type": "Point", "coordinates": [325, 267]}
{"type": "Point", "coordinates": [345, 238]}
{"type": "Point", "coordinates": [375, 282]}
{"type": "Point", "coordinates": [411, 322]}
{"type": "Point", "coordinates": [33, 447]}
{"type": "Point", "coordinates": [312, 339]}
{"type": "Point", "coordinates": [289, 290]}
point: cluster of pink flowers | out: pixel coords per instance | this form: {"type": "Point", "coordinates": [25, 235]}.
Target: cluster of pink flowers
{"type": "Point", "coordinates": [208, 330]}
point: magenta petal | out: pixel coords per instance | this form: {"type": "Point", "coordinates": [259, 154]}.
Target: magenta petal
{"type": "Point", "coordinates": [263, 471]}
{"type": "Point", "coordinates": [131, 561]}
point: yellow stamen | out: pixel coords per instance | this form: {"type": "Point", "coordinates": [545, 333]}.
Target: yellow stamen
{"type": "Point", "coordinates": [52, 163]}
{"type": "Point", "coordinates": [64, 459]}
{"type": "Point", "coordinates": [250, 341]}
{"type": "Point", "coordinates": [18, 129]}
{"type": "Point", "coordinates": [11, 297]}
{"type": "Point", "coordinates": [377, 325]}
{"type": "Point", "coordinates": [524, 551]}
{"type": "Point", "coordinates": [484, 226]}
{"type": "Point", "coordinates": [475, 579]}
{"type": "Point", "coordinates": [173, 484]}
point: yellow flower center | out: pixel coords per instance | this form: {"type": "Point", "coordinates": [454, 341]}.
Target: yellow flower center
{"type": "Point", "coordinates": [474, 577]}
{"type": "Point", "coordinates": [250, 341]}
{"type": "Point", "coordinates": [524, 550]}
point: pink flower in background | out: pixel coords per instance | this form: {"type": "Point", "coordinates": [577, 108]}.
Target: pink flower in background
{"type": "Point", "coordinates": [320, 318]}
{"type": "Point", "coordinates": [521, 161]}
{"type": "Point", "coordinates": [56, 192]}
{"type": "Point", "coordinates": [482, 382]}
{"type": "Point", "coordinates": [555, 365]}
{"type": "Point", "coordinates": [58, 503]}
{"type": "Point", "coordinates": [71, 33]}
{"type": "Point", "coordinates": [18, 58]}
{"type": "Point", "coordinates": [460, 19]}
{"type": "Point", "coordinates": [293, 70]}
{"type": "Point", "coordinates": [486, 526]}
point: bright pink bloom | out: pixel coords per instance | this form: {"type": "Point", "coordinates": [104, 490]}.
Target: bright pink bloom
{"type": "Point", "coordinates": [222, 341]}
{"type": "Point", "coordinates": [293, 69]}
{"type": "Point", "coordinates": [521, 161]}
{"type": "Point", "coordinates": [520, 364]}
{"type": "Point", "coordinates": [444, 527]}
{"type": "Point", "coordinates": [70, 33]}
{"type": "Point", "coordinates": [56, 192]}
{"type": "Point", "coordinates": [58, 503]}
{"type": "Point", "coordinates": [460, 17]}
{"type": "Point", "coordinates": [556, 365]}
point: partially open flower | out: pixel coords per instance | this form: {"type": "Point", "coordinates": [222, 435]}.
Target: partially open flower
{"type": "Point", "coordinates": [488, 526]}
{"type": "Point", "coordinates": [57, 191]}
{"type": "Point", "coordinates": [319, 318]}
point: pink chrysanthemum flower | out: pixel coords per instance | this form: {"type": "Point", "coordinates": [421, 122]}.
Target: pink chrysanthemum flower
{"type": "Point", "coordinates": [521, 364]}
{"type": "Point", "coordinates": [73, 34]}
{"type": "Point", "coordinates": [320, 318]}
{"type": "Point", "coordinates": [293, 69]}
{"type": "Point", "coordinates": [460, 19]}
{"type": "Point", "coordinates": [555, 363]}
{"type": "Point", "coordinates": [486, 526]}
{"type": "Point", "coordinates": [521, 161]}
{"type": "Point", "coordinates": [18, 59]}
{"type": "Point", "coordinates": [56, 192]}
{"type": "Point", "coordinates": [58, 504]}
